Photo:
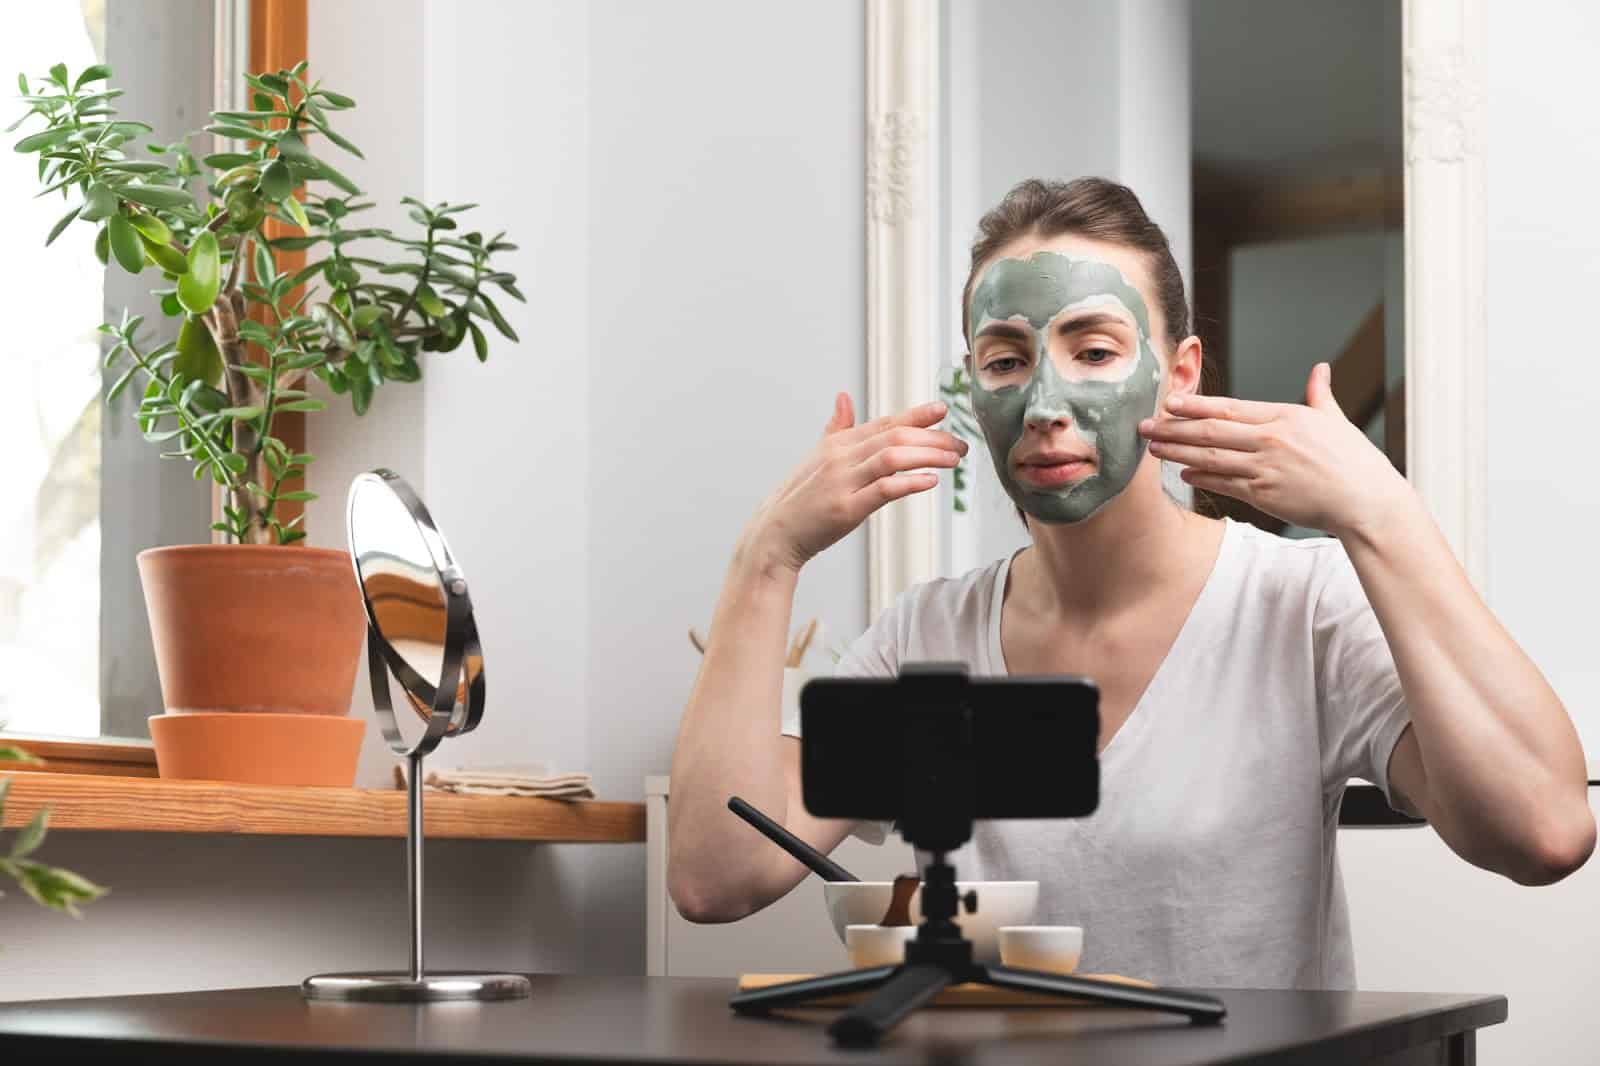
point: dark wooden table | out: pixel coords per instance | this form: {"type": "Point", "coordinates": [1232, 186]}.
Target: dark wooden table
{"type": "Point", "coordinates": [658, 1019]}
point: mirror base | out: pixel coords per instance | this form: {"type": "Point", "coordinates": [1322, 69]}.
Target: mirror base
{"type": "Point", "coordinates": [401, 988]}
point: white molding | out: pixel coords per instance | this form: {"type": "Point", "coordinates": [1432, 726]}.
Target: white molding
{"type": "Point", "coordinates": [1446, 318]}
{"type": "Point", "coordinates": [902, 217]}
{"type": "Point", "coordinates": [1445, 269]}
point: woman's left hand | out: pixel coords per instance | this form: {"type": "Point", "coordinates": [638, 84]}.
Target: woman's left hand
{"type": "Point", "coordinates": [1306, 464]}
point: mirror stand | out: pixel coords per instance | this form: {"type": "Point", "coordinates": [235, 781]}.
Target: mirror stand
{"type": "Point", "coordinates": [431, 618]}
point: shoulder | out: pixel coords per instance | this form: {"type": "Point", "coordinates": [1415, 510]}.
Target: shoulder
{"type": "Point", "coordinates": [942, 610]}
{"type": "Point", "coordinates": [1300, 569]}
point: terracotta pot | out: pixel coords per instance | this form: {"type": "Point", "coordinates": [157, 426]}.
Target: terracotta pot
{"type": "Point", "coordinates": [261, 749]}
{"type": "Point", "coordinates": [245, 627]}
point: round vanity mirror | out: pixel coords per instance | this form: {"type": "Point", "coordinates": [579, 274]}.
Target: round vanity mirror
{"type": "Point", "coordinates": [419, 614]}
{"type": "Point", "coordinates": [420, 629]}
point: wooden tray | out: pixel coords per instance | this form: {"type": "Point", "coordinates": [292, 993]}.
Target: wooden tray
{"type": "Point", "coordinates": [967, 995]}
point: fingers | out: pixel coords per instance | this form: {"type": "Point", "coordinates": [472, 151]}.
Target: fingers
{"type": "Point", "coordinates": [922, 416]}
{"type": "Point", "coordinates": [888, 489]}
{"type": "Point", "coordinates": [843, 417]}
{"type": "Point", "coordinates": [896, 459]}
{"type": "Point", "coordinates": [1238, 488]}
{"type": "Point", "coordinates": [1319, 390]}
{"type": "Point", "coordinates": [1225, 407]}
{"type": "Point", "coordinates": [1220, 461]}
{"type": "Point", "coordinates": [905, 437]}
{"type": "Point", "coordinates": [1203, 432]}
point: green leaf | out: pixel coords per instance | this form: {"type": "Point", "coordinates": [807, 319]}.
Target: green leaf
{"type": "Point", "coordinates": [136, 166]}
{"type": "Point", "coordinates": [227, 160]}
{"type": "Point", "coordinates": [305, 405]}
{"type": "Point", "coordinates": [99, 202]}
{"type": "Point", "coordinates": [366, 315]}
{"type": "Point", "coordinates": [297, 212]}
{"type": "Point", "coordinates": [97, 72]}
{"type": "Point", "coordinates": [58, 74]}
{"type": "Point", "coordinates": [276, 181]}
{"type": "Point", "coordinates": [329, 173]}
{"type": "Point", "coordinates": [48, 138]}
{"type": "Point", "coordinates": [151, 227]}
{"type": "Point", "coordinates": [9, 753]}
{"type": "Point", "coordinates": [360, 392]}
{"type": "Point", "coordinates": [156, 195]}
{"type": "Point", "coordinates": [337, 101]}
{"type": "Point", "coordinates": [165, 256]}
{"type": "Point", "coordinates": [292, 146]}
{"type": "Point", "coordinates": [66, 220]}
{"type": "Point", "coordinates": [430, 303]}
{"type": "Point", "coordinates": [102, 245]}
{"type": "Point", "coordinates": [497, 318]}
{"type": "Point", "coordinates": [31, 835]}
{"type": "Point", "coordinates": [480, 343]}
{"type": "Point", "coordinates": [271, 83]}
{"type": "Point", "coordinates": [237, 131]}
{"type": "Point", "coordinates": [126, 244]}
{"type": "Point", "coordinates": [197, 290]}
{"type": "Point", "coordinates": [340, 141]}
{"type": "Point", "coordinates": [198, 357]}
{"type": "Point", "coordinates": [234, 462]}
{"type": "Point", "coordinates": [169, 302]}
{"type": "Point", "coordinates": [58, 889]}
{"type": "Point", "coordinates": [242, 414]}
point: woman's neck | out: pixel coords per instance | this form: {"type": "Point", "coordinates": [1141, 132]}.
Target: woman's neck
{"type": "Point", "coordinates": [1136, 544]}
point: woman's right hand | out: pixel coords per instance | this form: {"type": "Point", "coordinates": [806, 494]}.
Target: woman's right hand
{"type": "Point", "coordinates": [853, 471]}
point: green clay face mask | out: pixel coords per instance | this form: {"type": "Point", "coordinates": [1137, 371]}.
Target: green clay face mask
{"type": "Point", "coordinates": [1061, 344]}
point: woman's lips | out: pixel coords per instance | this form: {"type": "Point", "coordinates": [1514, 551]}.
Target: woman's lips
{"type": "Point", "coordinates": [1056, 473]}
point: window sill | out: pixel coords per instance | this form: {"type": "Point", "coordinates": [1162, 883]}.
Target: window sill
{"type": "Point", "coordinates": [156, 805]}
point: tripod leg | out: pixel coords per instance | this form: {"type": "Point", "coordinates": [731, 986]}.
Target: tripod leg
{"type": "Point", "coordinates": [912, 985]}
{"type": "Point", "coordinates": [760, 1000]}
{"type": "Point", "coordinates": [1199, 1009]}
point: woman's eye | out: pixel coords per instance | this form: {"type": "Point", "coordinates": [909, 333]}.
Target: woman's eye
{"type": "Point", "coordinates": [1001, 365]}
{"type": "Point", "coordinates": [1097, 356]}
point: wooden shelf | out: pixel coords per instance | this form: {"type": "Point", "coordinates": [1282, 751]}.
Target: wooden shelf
{"type": "Point", "coordinates": [156, 805]}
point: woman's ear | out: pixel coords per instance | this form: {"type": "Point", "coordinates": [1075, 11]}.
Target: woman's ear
{"type": "Point", "coordinates": [1187, 361]}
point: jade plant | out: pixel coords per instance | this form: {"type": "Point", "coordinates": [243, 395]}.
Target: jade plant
{"type": "Point", "coordinates": [50, 886]}
{"type": "Point", "coordinates": [249, 327]}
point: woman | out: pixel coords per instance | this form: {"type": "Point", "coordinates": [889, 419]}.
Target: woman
{"type": "Point", "coordinates": [1244, 678]}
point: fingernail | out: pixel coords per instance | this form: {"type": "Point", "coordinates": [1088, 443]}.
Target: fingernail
{"type": "Point", "coordinates": [1147, 425]}
{"type": "Point", "coordinates": [937, 405]}
{"type": "Point", "coordinates": [1174, 403]}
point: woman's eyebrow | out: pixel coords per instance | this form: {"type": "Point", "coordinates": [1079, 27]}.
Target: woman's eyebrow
{"type": "Point", "coordinates": [1091, 320]}
{"type": "Point", "coordinates": [1006, 330]}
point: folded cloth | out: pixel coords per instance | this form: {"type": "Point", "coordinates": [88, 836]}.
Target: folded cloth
{"type": "Point", "coordinates": [525, 779]}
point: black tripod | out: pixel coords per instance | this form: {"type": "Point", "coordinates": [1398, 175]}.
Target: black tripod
{"type": "Point", "coordinates": [940, 956]}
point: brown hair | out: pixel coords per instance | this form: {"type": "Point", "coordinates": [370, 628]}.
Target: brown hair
{"type": "Point", "coordinates": [1090, 207]}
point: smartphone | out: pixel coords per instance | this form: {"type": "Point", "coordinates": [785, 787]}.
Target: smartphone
{"type": "Point", "coordinates": [1005, 747]}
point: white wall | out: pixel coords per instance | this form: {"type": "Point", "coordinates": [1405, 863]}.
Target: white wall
{"type": "Point", "coordinates": [689, 217]}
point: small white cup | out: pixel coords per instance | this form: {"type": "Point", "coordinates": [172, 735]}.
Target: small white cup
{"type": "Point", "coordinates": [1052, 948]}
{"type": "Point", "coordinates": [877, 945]}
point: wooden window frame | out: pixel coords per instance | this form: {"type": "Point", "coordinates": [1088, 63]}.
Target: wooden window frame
{"type": "Point", "coordinates": [278, 39]}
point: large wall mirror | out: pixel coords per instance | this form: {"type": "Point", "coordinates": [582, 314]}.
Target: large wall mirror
{"type": "Point", "coordinates": [1316, 166]}
{"type": "Point", "coordinates": [85, 492]}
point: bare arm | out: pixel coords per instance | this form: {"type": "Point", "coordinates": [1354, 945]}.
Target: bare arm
{"type": "Point", "coordinates": [729, 739]}
{"type": "Point", "coordinates": [1491, 758]}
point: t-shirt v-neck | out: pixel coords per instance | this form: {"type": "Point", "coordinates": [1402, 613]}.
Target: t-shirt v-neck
{"type": "Point", "coordinates": [1127, 733]}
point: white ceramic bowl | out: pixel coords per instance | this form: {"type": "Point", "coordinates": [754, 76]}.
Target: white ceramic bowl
{"type": "Point", "coordinates": [1053, 948]}
{"type": "Point", "coordinates": [999, 903]}
{"type": "Point", "coordinates": [877, 945]}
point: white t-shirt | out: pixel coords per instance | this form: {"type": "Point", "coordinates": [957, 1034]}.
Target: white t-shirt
{"type": "Point", "coordinates": [1211, 860]}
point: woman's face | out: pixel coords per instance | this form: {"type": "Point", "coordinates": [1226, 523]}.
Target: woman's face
{"type": "Point", "coordinates": [1064, 367]}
